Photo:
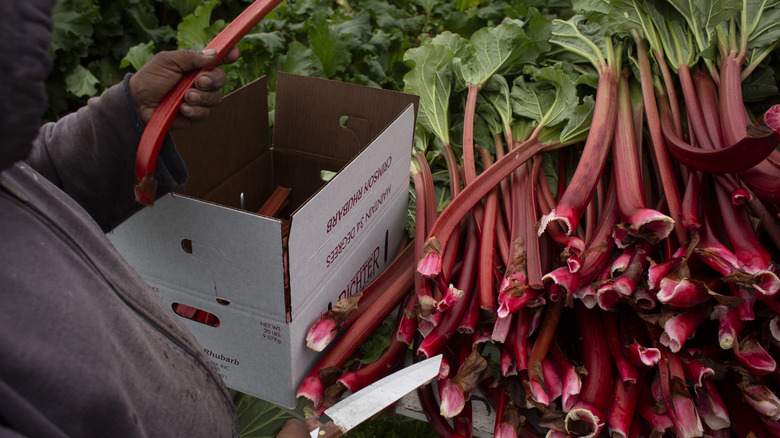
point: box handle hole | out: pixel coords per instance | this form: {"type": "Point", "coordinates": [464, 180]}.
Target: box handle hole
{"type": "Point", "coordinates": [195, 314]}
{"type": "Point", "coordinates": [223, 301]}
{"type": "Point", "coordinates": [186, 245]}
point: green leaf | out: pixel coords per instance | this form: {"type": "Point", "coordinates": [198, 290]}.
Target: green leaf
{"type": "Point", "coordinates": [495, 49]}
{"type": "Point", "coordinates": [81, 82]}
{"type": "Point", "coordinates": [196, 31]}
{"type": "Point", "coordinates": [550, 98]}
{"type": "Point", "coordinates": [271, 42]}
{"type": "Point", "coordinates": [138, 55]}
{"type": "Point", "coordinates": [766, 26]}
{"type": "Point", "coordinates": [72, 27]}
{"type": "Point", "coordinates": [299, 60]}
{"type": "Point", "coordinates": [578, 125]}
{"type": "Point", "coordinates": [376, 343]}
{"type": "Point", "coordinates": [496, 91]}
{"type": "Point", "coordinates": [760, 86]}
{"type": "Point", "coordinates": [327, 44]}
{"type": "Point", "coordinates": [430, 77]}
{"type": "Point", "coordinates": [258, 418]}
{"type": "Point", "coordinates": [584, 39]}
{"type": "Point", "coordinates": [183, 7]}
{"type": "Point", "coordinates": [674, 35]}
{"type": "Point", "coordinates": [703, 16]}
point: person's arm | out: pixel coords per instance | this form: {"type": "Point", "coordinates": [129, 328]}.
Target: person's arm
{"type": "Point", "coordinates": [90, 154]}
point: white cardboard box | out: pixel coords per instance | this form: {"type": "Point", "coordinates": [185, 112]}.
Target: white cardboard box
{"type": "Point", "coordinates": [198, 247]}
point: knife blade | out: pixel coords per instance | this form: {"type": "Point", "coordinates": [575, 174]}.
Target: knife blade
{"type": "Point", "coordinates": [363, 404]}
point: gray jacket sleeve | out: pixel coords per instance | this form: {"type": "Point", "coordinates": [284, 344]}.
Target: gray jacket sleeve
{"type": "Point", "coordinates": [90, 154]}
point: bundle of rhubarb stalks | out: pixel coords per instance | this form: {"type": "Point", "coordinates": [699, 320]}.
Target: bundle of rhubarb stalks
{"type": "Point", "coordinates": [597, 249]}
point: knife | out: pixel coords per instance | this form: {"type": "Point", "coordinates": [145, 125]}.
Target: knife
{"type": "Point", "coordinates": [363, 404]}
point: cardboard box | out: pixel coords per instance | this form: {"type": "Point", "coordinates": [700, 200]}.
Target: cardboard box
{"type": "Point", "coordinates": [223, 268]}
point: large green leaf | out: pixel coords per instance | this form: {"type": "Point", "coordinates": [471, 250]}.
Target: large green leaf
{"type": "Point", "coordinates": [491, 49]}
{"type": "Point", "coordinates": [430, 77]}
{"type": "Point", "coordinates": [703, 16]}
{"type": "Point", "coordinates": [585, 40]}
{"type": "Point", "coordinates": [550, 98]}
{"type": "Point", "coordinates": [329, 45]}
{"type": "Point", "coordinates": [196, 30]}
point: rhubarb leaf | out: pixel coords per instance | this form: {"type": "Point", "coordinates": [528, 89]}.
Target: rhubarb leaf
{"type": "Point", "coordinates": [496, 91]}
{"type": "Point", "coordinates": [578, 124]}
{"type": "Point", "coordinates": [329, 45]}
{"type": "Point", "coordinates": [548, 98]}
{"type": "Point", "coordinates": [492, 49]}
{"type": "Point", "coordinates": [138, 55]}
{"type": "Point", "coordinates": [703, 16]}
{"type": "Point", "coordinates": [760, 23]}
{"type": "Point", "coordinates": [585, 40]}
{"type": "Point", "coordinates": [196, 30]}
{"type": "Point", "coordinates": [81, 82]}
{"type": "Point", "coordinates": [430, 78]}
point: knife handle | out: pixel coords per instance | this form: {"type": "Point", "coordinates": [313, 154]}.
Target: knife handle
{"type": "Point", "coordinates": [329, 430]}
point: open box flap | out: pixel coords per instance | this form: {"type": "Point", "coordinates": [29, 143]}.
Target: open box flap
{"type": "Point", "coordinates": [372, 191]}
{"type": "Point", "coordinates": [229, 152]}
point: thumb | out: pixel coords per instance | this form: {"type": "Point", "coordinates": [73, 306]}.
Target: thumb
{"type": "Point", "coordinates": [182, 61]}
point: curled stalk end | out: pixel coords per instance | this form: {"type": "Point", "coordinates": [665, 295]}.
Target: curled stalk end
{"type": "Point", "coordinates": [767, 283]}
{"type": "Point", "coordinates": [654, 221]}
{"type": "Point", "coordinates": [554, 216]}
{"type": "Point", "coordinates": [583, 422]}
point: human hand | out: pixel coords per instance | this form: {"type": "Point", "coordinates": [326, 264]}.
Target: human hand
{"type": "Point", "coordinates": [161, 73]}
{"type": "Point", "coordinates": [296, 428]}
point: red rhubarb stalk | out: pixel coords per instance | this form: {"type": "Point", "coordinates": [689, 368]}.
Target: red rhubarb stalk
{"type": "Point", "coordinates": [588, 415]}
{"type": "Point", "coordinates": [157, 126]}
{"type": "Point", "coordinates": [449, 219]}
{"type": "Point", "coordinates": [583, 183]}
{"type": "Point", "coordinates": [628, 174]}
{"type": "Point", "coordinates": [399, 274]}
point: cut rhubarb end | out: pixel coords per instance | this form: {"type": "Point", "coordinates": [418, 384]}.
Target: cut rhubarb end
{"type": "Point", "coordinates": [683, 293]}
{"type": "Point", "coordinates": [321, 334]}
{"type": "Point", "coordinates": [767, 283]}
{"type": "Point", "coordinates": [504, 430]}
{"type": "Point", "coordinates": [145, 189]}
{"type": "Point", "coordinates": [640, 355]}
{"type": "Point", "coordinates": [311, 388]}
{"type": "Point", "coordinates": [752, 355]}
{"type": "Point", "coordinates": [583, 422]}
{"type": "Point", "coordinates": [761, 398]}
{"type": "Point", "coordinates": [452, 399]}
{"type": "Point", "coordinates": [651, 220]}
{"type": "Point", "coordinates": [452, 296]}
{"type": "Point", "coordinates": [772, 118]}
{"type": "Point", "coordinates": [566, 222]}
{"type": "Point", "coordinates": [563, 277]}
{"type": "Point", "coordinates": [430, 264]}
